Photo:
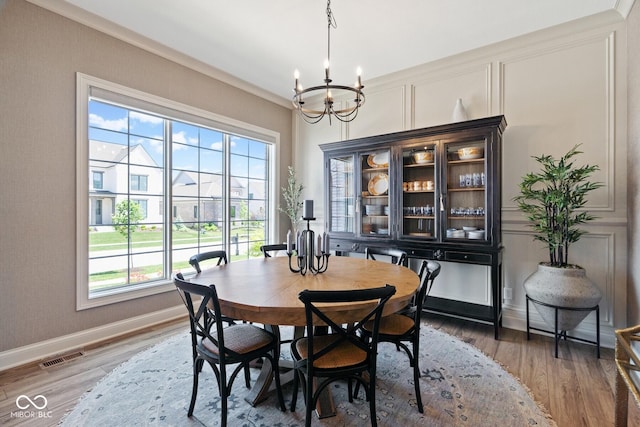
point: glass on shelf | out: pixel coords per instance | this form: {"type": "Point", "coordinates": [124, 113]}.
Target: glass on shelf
{"type": "Point", "coordinates": [419, 186]}
{"type": "Point", "coordinates": [466, 181]}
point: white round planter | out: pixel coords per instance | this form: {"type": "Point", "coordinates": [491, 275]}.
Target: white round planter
{"type": "Point", "coordinates": [562, 287]}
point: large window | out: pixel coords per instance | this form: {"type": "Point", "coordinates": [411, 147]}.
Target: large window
{"type": "Point", "coordinates": [211, 179]}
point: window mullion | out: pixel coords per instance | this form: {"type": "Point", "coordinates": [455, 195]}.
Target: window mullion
{"type": "Point", "coordinates": [168, 198]}
{"type": "Point", "coordinates": [226, 199]}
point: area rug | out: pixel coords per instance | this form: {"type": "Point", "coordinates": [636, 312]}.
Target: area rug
{"type": "Point", "coordinates": [460, 387]}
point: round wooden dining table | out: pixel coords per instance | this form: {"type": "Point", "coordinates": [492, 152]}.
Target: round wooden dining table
{"type": "Point", "coordinates": [264, 290]}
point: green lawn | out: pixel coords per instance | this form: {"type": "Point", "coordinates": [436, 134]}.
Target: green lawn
{"type": "Point", "coordinates": [114, 241]}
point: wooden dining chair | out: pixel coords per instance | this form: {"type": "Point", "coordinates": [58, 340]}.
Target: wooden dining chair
{"type": "Point", "coordinates": [220, 256]}
{"type": "Point", "coordinates": [270, 250]}
{"type": "Point", "coordinates": [221, 346]}
{"type": "Point", "coordinates": [404, 327]}
{"type": "Point", "coordinates": [398, 256]}
{"type": "Point", "coordinates": [321, 358]}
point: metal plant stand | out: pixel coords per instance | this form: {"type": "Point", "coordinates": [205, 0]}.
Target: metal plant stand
{"type": "Point", "coordinates": [563, 334]}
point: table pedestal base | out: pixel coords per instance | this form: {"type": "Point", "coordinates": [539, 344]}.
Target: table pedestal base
{"type": "Point", "coordinates": [324, 408]}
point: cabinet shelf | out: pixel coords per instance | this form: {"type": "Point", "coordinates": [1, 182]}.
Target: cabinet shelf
{"type": "Point", "coordinates": [372, 170]}
{"type": "Point", "coordinates": [465, 189]}
{"type": "Point", "coordinates": [418, 217]}
{"type": "Point", "coordinates": [421, 165]}
{"type": "Point", "coordinates": [466, 162]}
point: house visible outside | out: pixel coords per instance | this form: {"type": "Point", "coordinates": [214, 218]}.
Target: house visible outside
{"type": "Point", "coordinates": [218, 199]}
{"type": "Point", "coordinates": [114, 169]}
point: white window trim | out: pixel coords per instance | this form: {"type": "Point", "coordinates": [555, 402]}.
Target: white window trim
{"type": "Point", "coordinates": [84, 86]}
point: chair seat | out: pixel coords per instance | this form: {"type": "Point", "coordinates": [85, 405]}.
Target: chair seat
{"type": "Point", "coordinates": [344, 354]}
{"type": "Point", "coordinates": [241, 338]}
{"type": "Point", "coordinates": [394, 324]}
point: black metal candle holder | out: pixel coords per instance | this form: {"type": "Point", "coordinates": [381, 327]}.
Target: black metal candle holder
{"type": "Point", "coordinates": [309, 261]}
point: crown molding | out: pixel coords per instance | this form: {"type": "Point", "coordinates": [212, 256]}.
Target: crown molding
{"type": "Point", "coordinates": [623, 7]}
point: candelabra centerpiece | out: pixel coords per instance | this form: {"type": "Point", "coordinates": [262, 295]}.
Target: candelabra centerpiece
{"type": "Point", "coordinates": [311, 254]}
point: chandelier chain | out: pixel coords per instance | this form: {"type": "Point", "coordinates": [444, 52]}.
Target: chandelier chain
{"type": "Point", "coordinates": [331, 22]}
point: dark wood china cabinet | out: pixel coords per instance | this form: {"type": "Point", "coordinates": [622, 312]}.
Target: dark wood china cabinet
{"type": "Point", "coordinates": [432, 192]}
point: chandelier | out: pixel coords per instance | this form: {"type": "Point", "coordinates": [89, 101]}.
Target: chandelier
{"type": "Point", "coordinates": [328, 90]}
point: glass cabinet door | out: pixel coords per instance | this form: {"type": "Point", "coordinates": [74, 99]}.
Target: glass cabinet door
{"type": "Point", "coordinates": [342, 201]}
{"type": "Point", "coordinates": [419, 184]}
{"type": "Point", "coordinates": [466, 175]}
{"type": "Point", "coordinates": [375, 184]}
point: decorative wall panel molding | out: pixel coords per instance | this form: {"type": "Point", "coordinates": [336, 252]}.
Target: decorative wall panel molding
{"type": "Point", "coordinates": [569, 91]}
{"type": "Point", "coordinates": [433, 98]}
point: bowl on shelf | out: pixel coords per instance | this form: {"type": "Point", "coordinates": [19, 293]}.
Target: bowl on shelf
{"type": "Point", "coordinates": [373, 209]}
{"type": "Point", "coordinates": [470, 153]}
{"type": "Point", "coordinates": [455, 233]}
{"type": "Point", "coordinates": [383, 231]}
{"type": "Point", "coordinates": [423, 156]}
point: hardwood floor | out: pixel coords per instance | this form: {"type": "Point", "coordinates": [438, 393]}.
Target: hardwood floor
{"type": "Point", "coordinates": [577, 388]}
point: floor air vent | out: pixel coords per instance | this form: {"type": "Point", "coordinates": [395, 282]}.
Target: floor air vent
{"type": "Point", "coordinates": [58, 360]}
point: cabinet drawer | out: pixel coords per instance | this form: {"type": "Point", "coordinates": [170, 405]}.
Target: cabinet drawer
{"type": "Point", "coordinates": [420, 253]}
{"type": "Point", "coordinates": [469, 257]}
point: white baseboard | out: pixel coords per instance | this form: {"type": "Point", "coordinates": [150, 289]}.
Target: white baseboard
{"type": "Point", "coordinates": [42, 350]}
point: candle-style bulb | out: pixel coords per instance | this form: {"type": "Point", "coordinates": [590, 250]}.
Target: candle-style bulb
{"type": "Point", "coordinates": [296, 76]}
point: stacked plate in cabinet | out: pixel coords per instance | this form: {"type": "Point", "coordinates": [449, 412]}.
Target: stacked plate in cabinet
{"type": "Point", "coordinates": [375, 209]}
{"type": "Point", "coordinates": [455, 233]}
{"type": "Point", "coordinates": [475, 234]}
{"type": "Point", "coordinates": [467, 232]}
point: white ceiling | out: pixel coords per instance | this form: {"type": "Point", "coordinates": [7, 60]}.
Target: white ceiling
{"type": "Point", "coordinates": [262, 42]}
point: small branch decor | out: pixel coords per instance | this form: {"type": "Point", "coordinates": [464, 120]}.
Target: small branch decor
{"type": "Point", "coordinates": [292, 194]}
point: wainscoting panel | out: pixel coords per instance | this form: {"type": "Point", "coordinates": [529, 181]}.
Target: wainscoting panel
{"type": "Point", "coordinates": [463, 282]}
{"type": "Point", "coordinates": [568, 102]}
{"type": "Point", "coordinates": [594, 252]}
{"type": "Point", "coordinates": [383, 112]}
{"type": "Point", "coordinates": [434, 98]}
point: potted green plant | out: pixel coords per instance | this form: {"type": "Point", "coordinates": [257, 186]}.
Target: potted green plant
{"type": "Point", "coordinates": [552, 200]}
{"type": "Point", "coordinates": [292, 194]}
